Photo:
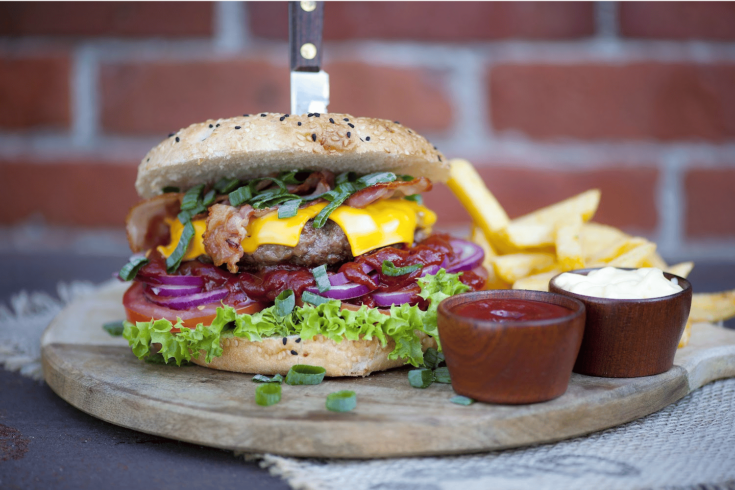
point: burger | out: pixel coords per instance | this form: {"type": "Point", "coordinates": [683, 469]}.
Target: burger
{"type": "Point", "coordinates": [270, 240]}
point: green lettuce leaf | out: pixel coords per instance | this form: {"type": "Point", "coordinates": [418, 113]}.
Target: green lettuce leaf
{"type": "Point", "coordinates": [307, 322]}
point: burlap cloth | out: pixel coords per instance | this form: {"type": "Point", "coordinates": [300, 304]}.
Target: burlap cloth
{"type": "Point", "coordinates": [690, 444]}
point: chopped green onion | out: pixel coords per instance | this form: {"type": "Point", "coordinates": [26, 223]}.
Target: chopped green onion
{"type": "Point", "coordinates": [290, 177]}
{"type": "Point", "coordinates": [130, 270]}
{"type": "Point", "coordinates": [462, 400]}
{"type": "Point", "coordinates": [240, 196]}
{"type": "Point", "coordinates": [225, 185]}
{"type": "Point", "coordinates": [345, 177]}
{"type": "Point", "coordinates": [391, 270]}
{"type": "Point", "coordinates": [169, 188]}
{"type": "Point", "coordinates": [302, 374]}
{"type": "Point", "coordinates": [321, 278]}
{"type": "Point", "coordinates": [375, 178]}
{"type": "Point", "coordinates": [268, 394]}
{"type": "Point", "coordinates": [259, 378]}
{"type": "Point", "coordinates": [415, 198]}
{"type": "Point", "coordinates": [276, 181]}
{"type": "Point", "coordinates": [341, 401]}
{"type": "Point", "coordinates": [209, 198]}
{"type": "Point", "coordinates": [441, 375]}
{"type": "Point", "coordinates": [285, 303]}
{"type": "Point", "coordinates": [289, 209]}
{"type": "Point", "coordinates": [420, 378]}
{"type": "Point", "coordinates": [433, 358]}
{"type": "Point", "coordinates": [406, 178]}
{"type": "Point", "coordinates": [341, 193]}
{"type": "Point", "coordinates": [115, 329]}
{"type": "Point", "coordinates": [313, 299]}
{"type": "Point", "coordinates": [191, 197]}
{"type": "Point", "coordinates": [174, 260]}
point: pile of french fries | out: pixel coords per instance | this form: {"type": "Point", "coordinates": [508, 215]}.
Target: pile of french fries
{"type": "Point", "coordinates": [526, 252]}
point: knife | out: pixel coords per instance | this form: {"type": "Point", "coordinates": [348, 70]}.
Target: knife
{"type": "Point", "coordinates": [309, 83]}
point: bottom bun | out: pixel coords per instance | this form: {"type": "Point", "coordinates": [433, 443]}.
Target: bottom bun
{"type": "Point", "coordinates": [273, 356]}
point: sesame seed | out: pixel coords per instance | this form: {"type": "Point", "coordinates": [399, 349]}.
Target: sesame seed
{"type": "Point", "coordinates": [177, 139]}
{"type": "Point", "coordinates": [286, 115]}
{"type": "Point", "coordinates": [246, 115]}
{"type": "Point", "coordinates": [317, 114]}
{"type": "Point", "coordinates": [440, 159]}
{"type": "Point", "coordinates": [346, 120]}
{"type": "Point", "coordinates": [298, 340]}
{"type": "Point", "coordinates": [148, 160]}
{"type": "Point", "coordinates": [293, 352]}
{"type": "Point", "coordinates": [299, 123]}
{"type": "Point", "coordinates": [367, 138]}
{"type": "Point", "coordinates": [171, 134]}
{"type": "Point", "coordinates": [282, 118]}
{"type": "Point", "coordinates": [262, 115]}
{"type": "Point", "coordinates": [351, 125]}
{"type": "Point", "coordinates": [237, 127]}
{"type": "Point", "coordinates": [331, 120]}
{"type": "Point", "coordinates": [397, 122]}
{"type": "Point", "coordinates": [284, 340]}
{"type": "Point", "coordinates": [211, 126]}
{"type": "Point", "coordinates": [349, 135]}
{"type": "Point", "coordinates": [410, 132]}
{"type": "Point", "coordinates": [435, 148]}
{"type": "Point", "coordinates": [313, 137]}
{"type": "Point", "coordinates": [217, 125]}
{"type": "Point", "coordinates": [309, 115]}
{"type": "Point", "coordinates": [362, 139]}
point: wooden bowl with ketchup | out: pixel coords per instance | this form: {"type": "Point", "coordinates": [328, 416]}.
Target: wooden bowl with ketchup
{"type": "Point", "coordinates": [510, 346]}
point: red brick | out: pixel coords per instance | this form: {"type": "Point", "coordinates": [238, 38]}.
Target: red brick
{"type": "Point", "coordinates": [678, 20]}
{"type": "Point", "coordinates": [435, 21]}
{"type": "Point", "coordinates": [628, 194]}
{"type": "Point", "coordinates": [68, 193]}
{"type": "Point", "coordinates": [116, 19]}
{"type": "Point", "coordinates": [635, 101]}
{"type": "Point", "coordinates": [34, 92]}
{"type": "Point", "coordinates": [158, 97]}
{"type": "Point", "coordinates": [415, 97]}
{"type": "Point", "coordinates": [710, 203]}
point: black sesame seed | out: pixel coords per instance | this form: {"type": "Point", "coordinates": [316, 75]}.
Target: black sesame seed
{"type": "Point", "coordinates": [177, 139]}
{"type": "Point", "coordinates": [313, 137]}
{"type": "Point", "coordinates": [349, 135]}
{"type": "Point", "coordinates": [148, 160]}
{"type": "Point", "coordinates": [293, 352]}
{"type": "Point", "coordinates": [351, 125]}
{"type": "Point", "coordinates": [282, 118]}
{"type": "Point", "coordinates": [346, 120]}
{"type": "Point", "coordinates": [397, 122]}
{"type": "Point", "coordinates": [367, 138]}
{"type": "Point", "coordinates": [331, 120]}
{"type": "Point", "coordinates": [246, 115]}
{"type": "Point", "coordinates": [171, 134]}
{"type": "Point", "coordinates": [286, 115]}
{"type": "Point", "coordinates": [409, 132]}
{"type": "Point", "coordinates": [317, 114]}
{"type": "Point", "coordinates": [440, 159]}
{"type": "Point", "coordinates": [299, 123]}
{"type": "Point", "coordinates": [284, 340]}
{"type": "Point", "coordinates": [211, 126]}
{"type": "Point", "coordinates": [362, 139]}
{"type": "Point", "coordinates": [263, 115]}
{"type": "Point", "coordinates": [309, 114]}
{"type": "Point", "coordinates": [217, 125]}
{"type": "Point", "coordinates": [298, 340]}
{"type": "Point", "coordinates": [436, 148]}
{"type": "Point", "coordinates": [237, 127]}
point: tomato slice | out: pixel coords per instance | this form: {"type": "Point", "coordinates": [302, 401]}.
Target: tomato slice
{"type": "Point", "coordinates": [139, 309]}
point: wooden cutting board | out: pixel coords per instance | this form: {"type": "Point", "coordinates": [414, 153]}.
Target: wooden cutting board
{"type": "Point", "coordinates": [99, 375]}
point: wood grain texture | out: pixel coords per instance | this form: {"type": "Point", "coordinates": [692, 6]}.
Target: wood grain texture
{"type": "Point", "coordinates": [99, 375]}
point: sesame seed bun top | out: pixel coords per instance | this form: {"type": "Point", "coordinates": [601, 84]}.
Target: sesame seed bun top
{"type": "Point", "coordinates": [257, 145]}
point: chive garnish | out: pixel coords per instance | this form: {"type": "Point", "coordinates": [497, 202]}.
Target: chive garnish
{"type": "Point", "coordinates": [192, 197]}
{"type": "Point", "coordinates": [268, 394]}
{"type": "Point", "coordinates": [313, 299]}
{"type": "Point", "coordinates": [289, 209]}
{"type": "Point", "coordinates": [345, 177]}
{"type": "Point", "coordinates": [240, 196]}
{"type": "Point", "coordinates": [433, 358]}
{"type": "Point", "coordinates": [290, 177]}
{"type": "Point", "coordinates": [415, 198]}
{"type": "Point", "coordinates": [441, 375]}
{"type": "Point", "coordinates": [420, 378]}
{"type": "Point", "coordinates": [321, 278]}
{"type": "Point", "coordinates": [209, 198]}
{"type": "Point", "coordinates": [174, 260]}
{"type": "Point", "coordinates": [259, 378]}
{"type": "Point", "coordinates": [169, 188]}
{"type": "Point", "coordinates": [462, 400]}
{"type": "Point", "coordinates": [405, 178]}
{"type": "Point", "coordinates": [375, 178]}
{"type": "Point", "coordinates": [285, 303]}
{"type": "Point", "coordinates": [341, 401]}
{"type": "Point", "coordinates": [337, 196]}
{"type": "Point", "coordinates": [391, 270]}
{"type": "Point", "coordinates": [115, 329]}
{"type": "Point", "coordinates": [130, 270]}
{"type": "Point", "coordinates": [225, 185]}
{"type": "Point", "coordinates": [302, 374]}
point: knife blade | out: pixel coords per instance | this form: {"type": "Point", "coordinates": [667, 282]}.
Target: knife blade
{"type": "Point", "coordinates": [309, 83]}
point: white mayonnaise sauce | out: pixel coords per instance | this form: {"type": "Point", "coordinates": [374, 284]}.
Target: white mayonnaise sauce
{"type": "Point", "coordinates": [610, 282]}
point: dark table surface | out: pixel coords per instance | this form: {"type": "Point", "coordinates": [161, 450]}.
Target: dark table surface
{"type": "Point", "coordinates": [47, 443]}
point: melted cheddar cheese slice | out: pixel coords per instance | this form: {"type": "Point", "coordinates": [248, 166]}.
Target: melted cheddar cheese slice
{"type": "Point", "coordinates": [382, 223]}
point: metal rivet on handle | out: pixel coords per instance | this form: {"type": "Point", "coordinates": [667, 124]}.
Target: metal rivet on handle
{"type": "Point", "coordinates": [308, 7]}
{"type": "Point", "coordinates": [308, 50]}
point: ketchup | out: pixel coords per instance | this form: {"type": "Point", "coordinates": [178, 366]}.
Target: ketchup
{"type": "Point", "coordinates": [510, 310]}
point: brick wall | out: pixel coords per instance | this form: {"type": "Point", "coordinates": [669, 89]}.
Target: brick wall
{"type": "Point", "coordinates": [547, 99]}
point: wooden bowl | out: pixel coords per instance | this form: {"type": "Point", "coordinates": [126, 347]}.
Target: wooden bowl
{"type": "Point", "coordinates": [510, 362]}
{"type": "Point", "coordinates": [629, 338]}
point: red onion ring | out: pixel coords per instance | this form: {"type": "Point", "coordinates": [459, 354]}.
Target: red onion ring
{"type": "Point", "coordinates": [468, 256]}
{"type": "Point", "coordinates": [345, 291]}
{"type": "Point", "coordinates": [338, 279]}
{"type": "Point", "coordinates": [393, 298]}
{"type": "Point", "coordinates": [429, 269]}
{"type": "Point", "coordinates": [168, 291]}
{"type": "Point", "coordinates": [189, 301]}
{"type": "Point", "coordinates": [167, 280]}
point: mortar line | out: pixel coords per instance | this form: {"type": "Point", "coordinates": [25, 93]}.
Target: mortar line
{"type": "Point", "coordinates": [670, 203]}
{"type": "Point", "coordinates": [84, 96]}
{"type": "Point", "coordinates": [606, 19]}
{"type": "Point", "coordinates": [230, 31]}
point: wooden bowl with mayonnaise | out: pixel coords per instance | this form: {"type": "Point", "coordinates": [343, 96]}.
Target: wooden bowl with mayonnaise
{"type": "Point", "coordinates": [627, 336]}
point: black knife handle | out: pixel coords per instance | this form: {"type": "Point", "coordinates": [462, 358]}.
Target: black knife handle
{"type": "Point", "coordinates": [305, 20]}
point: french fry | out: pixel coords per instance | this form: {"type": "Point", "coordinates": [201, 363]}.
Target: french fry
{"type": "Point", "coordinates": [471, 191]}
{"type": "Point", "coordinates": [568, 244]}
{"type": "Point", "coordinates": [615, 250]}
{"type": "Point", "coordinates": [682, 269]}
{"type": "Point", "coordinates": [686, 334]}
{"type": "Point", "coordinates": [493, 281]}
{"type": "Point", "coordinates": [513, 267]}
{"type": "Point", "coordinates": [596, 238]}
{"type": "Point", "coordinates": [712, 307]}
{"type": "Point", "coordinates": [655, 260]}
{"type": "Point", "coordinates": [478, 237]}
{"type": "Point", "coordinates": [537, 282]}
{"type": "Point", "coordinates": [634, 257]}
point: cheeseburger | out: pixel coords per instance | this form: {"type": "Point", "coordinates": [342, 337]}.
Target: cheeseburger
{"type": "Point", "coordinates": [270, 240]}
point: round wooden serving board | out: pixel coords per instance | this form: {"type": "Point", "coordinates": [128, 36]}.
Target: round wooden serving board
{"type": "Point", "coordinates": [99, 375]}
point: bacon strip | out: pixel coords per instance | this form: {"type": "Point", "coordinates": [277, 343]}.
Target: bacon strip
{"type": "Point", "coordinates": [145, 223]}
{"type": "Point", "coordinates": [320, 182]}
{"type": "Point", "coordinates": [226, 228]}
{"type": "Point", "coordinates": [387, 190]}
